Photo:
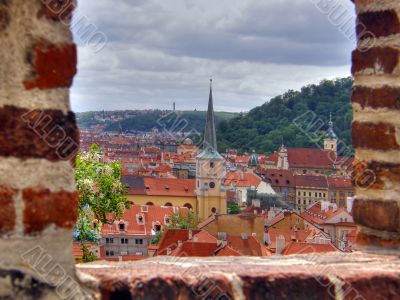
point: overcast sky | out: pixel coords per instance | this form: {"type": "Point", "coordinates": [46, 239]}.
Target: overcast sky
{"type": "Point", "coordinates": [164, 51]}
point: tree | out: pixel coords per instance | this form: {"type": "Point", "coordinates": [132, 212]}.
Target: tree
{"type": "Point", "coordinates": [178, 220]}
{"type": "Point", "coordinates": [181, 220]}
{"type": "Point", "coordinates": [233, 208]}
{"type": "Point", "coordinates": [101, 194]}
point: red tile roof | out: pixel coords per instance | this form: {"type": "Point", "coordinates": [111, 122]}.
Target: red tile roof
{"type": "Point", "coordinates": [279, 178]}
{"type": "Point", "coordinates": [190, 248]}
{"type": "Point", "coordinates": [248, 247]}
{"type": "Point", "coordinates": [170, 239]}
{"type": "Point", "coordinates": [310, 158]}
{"type": "Point", "coordinates": [227, 251]}
{"type": "Point", "coordinates": [151, 216]}
{"type": "Point", "coordinates": [305, 248]}
{"type": "Point", "coordinates": [339, 182]}
{"type": "Point", "coordinates": [242, 179]}
{"type": "Point", "coordinates": [311, 181]}
{"type": "Point", "coordinates": [170, 187]}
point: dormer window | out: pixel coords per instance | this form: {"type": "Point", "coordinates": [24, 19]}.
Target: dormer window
{"type": "Point", "coordinates": [140, 219]}
{"type": "Point", "coordinates": [121, 226]}
{"type": "Point", "coordinates": [167, 187]}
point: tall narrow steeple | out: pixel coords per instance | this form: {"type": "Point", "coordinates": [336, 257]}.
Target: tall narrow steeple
{"type": "Point", "coordinates": [210, 136]}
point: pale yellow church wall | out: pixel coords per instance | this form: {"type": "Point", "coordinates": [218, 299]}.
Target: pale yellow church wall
{"type": "Point", "coordinates": [162, 200]}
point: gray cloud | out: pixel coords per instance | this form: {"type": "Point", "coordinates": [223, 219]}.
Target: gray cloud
{"type": "Point", "coordinates": [164, 51]}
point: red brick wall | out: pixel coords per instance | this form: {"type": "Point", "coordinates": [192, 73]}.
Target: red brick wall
{"type": "Point", "coordinates": [376, 124]}
{"type": "Point", "coordinates": [38, 139]}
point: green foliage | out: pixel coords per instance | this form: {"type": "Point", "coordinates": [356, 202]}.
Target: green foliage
{"type": "Point", "coordinates": [156, 239]}
{"type": "Point", "coordinates": [188, 220]}
{"type": "Point", "coordinates": [264, 127]}
{"type": "Point", "coordinates": [101, 193]}
{"type": "Point", "coordinates": [88, 256]}
{"type": "Point", "coordinates": [233, 208]}
{"type": "Point", "coordinates": [147, 120]}
{"type": "Point", "coordinates": [178, 220]}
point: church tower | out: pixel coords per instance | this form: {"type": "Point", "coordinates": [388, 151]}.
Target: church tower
{"type": "Point", "coordinates": [283, 163]}
{"type": "Point", "coordinates": [330, 142]}
{"type": "Point", "coordinates": [210, 170]}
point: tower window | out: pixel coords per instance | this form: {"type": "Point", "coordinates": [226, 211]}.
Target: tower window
{"type": "Point", "coordinates": [212, 164]}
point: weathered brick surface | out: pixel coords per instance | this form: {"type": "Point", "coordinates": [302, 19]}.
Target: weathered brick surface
{"type": "Point", "coordinates": [374, 241]}
{"type": "Point", "coordinates": [377, 214]}
{"type": "Point", "coordinates": [381, 60]}
{"type": "Point", "coordinates": [378, 175]}
{"type": "Point", "coordinates": [57, 10]}
{"type": "Point", "coordinates": [385, 97]}
{"type": "Point", "coordinates": [43, 208]}
{"type": "Point", "coordinates": [372, 22]}
{"type": "Point", "coordinates": [373, 136]}
{"type": "Point", "coordinates": [38, 134]}
{"type": "Point", "coordinates": [7, 209]}
{"type": "Point", "coordinates": [54, 66]}
{"type": "Point", "coordinates": [4, 16]}
{"type": "Point", "coordinates": [290, 277]}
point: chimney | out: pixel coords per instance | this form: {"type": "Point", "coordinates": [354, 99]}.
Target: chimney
{"type": "Point", "coordinates": [244, 236]}
{"type": "Point", "coordinates": [169, 251]}
{"type": "Point", "coordinates": [280, 244]}
{"type": "Point", "coordinates": [190, 234]}
{"type": "Point", "coordinates": [179, 244]}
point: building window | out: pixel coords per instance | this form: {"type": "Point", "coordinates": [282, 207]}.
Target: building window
{"type": "Point", "coordinates": [304, 171]}
{"type": "Point", "coordinates": [304, 201]}
{"type": "Point", "coordinates": [109, 241]}
{"type": "Point", "coordinates": [324, 195]}
{"type": "Point", "coordinates": [124, 241]}
{"type": "Point", "coordinates": [320, 195]}
{"type": "Point", "coordinates": [122, 226]}
{"type": "Point", "coordinates": [139, 241]}
{"type": "Point", "coordinates": [299, 194]}
{"type": "Point", "coordinates": [316, 194]}
{"type": "Point", "coordinates": [109, 253]}
{"type": "Point", "coordinates": [212, 164]}
{"type": "Point", "coordinates": [309, 194]}
{"type": "Point", "coordinates": [304, 194]}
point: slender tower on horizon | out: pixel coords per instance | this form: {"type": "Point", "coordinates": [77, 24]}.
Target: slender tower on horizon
{"type": "Point", "coordinates": [210, 170]}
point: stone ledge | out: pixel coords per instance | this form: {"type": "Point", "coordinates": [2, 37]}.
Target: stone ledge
{"type": "Point", "coordinates": [320, 276]}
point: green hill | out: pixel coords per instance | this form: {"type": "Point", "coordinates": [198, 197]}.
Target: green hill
{"type": "Point", "coordinates": [265, 127]}
{"type": "Point", "coordinates": [146, 120]}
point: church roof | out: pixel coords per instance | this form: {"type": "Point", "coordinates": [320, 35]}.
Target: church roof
{"type": "Point", "coordinates": [253, 161]}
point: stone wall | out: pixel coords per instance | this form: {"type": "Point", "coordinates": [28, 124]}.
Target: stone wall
{"type": "Point", "coordinates": [38, 142]}
{"type": "Point", "coordinates": [376, 125]}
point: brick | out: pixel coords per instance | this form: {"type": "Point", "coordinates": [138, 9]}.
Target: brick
{"type": "Point", "coordinates": [38, 134]}
{"type": "Point", "coordinates": [385, 97]}
{"type": "Point", "coordinates": [7, 210]}
{"type": "Point", "coordinates": [377, 214]}
{"type": "Point", "coordinates": [372, 22]}
{"type": "Point", "coordinates": [373, 136]}
{"type": "Point", "coordinates": [4, 17]}
{"type": "Point", "coordinates": [54, 66]}
{"type": "Point", "coordinates": [57, 10]}
{"type": "Point", "coordinates": [381, 60]}
{"type": "Point", "coordinates": [43, 208]}
{"type": "Point", "coordinates": [365, 240]}
{"type": "Point", "coordinates": [383, 175]}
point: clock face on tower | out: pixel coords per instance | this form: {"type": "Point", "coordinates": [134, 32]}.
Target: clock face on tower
{"type": "Point", "coordinates": [212, 184]}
